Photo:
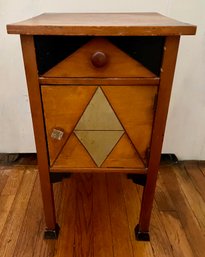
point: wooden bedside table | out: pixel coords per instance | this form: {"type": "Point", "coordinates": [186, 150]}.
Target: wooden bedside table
{"type": "Point", "coordinates": [99, 88]}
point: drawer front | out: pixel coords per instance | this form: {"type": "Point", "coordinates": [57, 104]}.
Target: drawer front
{"type": "Point", "coordinates": [99, 58]}
{"type": "Point", "coordinates": [94, 126]}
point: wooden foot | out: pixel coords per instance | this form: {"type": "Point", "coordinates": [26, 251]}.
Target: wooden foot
{"type": "Point", "coordinates": [141, 236]}
{"type": "Point", "coordinates": [52, 233]}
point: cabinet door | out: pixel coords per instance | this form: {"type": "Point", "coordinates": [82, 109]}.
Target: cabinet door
{"type": "Point", "coordinates": [90, 126]}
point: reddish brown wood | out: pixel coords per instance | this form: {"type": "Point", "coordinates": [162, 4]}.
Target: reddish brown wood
{"type": "Point", "coordinates": [39, 129]}
{"type": "Point", "coordinates": [167, 74]}
{"type": "Point", "coordinates": [74, 71]}
{"type": "Point", "coordinates": [101, 24]}
{"type": "Point", "coordinates": [99, 170]}
{"type": "Point", "coordinates": [101, 81]}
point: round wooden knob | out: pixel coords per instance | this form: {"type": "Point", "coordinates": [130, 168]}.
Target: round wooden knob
{"type": "Point", "coordinates": [99, 59]}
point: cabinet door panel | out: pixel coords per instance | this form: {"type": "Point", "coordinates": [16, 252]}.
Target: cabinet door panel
{"type": "Point", "coordinates": [79, 119]}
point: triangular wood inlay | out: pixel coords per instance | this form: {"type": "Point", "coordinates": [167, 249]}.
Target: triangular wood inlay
{"type": "Point", "coordinates": [63, 106]}
{"type": "Point", "coordinates": [79, 64]}
{"type": "Point", "coordinates": [123, 155]}
{"type": "Point", "coordinates": [74, 155]}
{"type": "Point", "coordinates": [133, 106]}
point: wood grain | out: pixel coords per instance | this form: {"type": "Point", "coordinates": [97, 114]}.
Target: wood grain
{"type": "Point", "coordinates": [67, 219]}
{"type": "Point", "coordinates": [8, 193]}
{"type": "Point", "coordinates": [110, 207]}
{"type": "Point", "coordinates": [134, 108]}
{"type": "Point", "coordinates": [74, 155]}
{"type": "Point", "coordinates": [162, 197]}
{"type": "Point", "coordinates": [63, 107]}
{"type": "Point", "coordinates": [28, 49]}
{"type": "Point", "coordinates": [194, 171]}
{"type": "Point", "coordinates": [167, 75]}
{"type": "Point", "coordinates": [83, 233]}
{"type": "Point", "coordinates": [123, 155]}
{"type": "Point", "coordinates": [118, 218]}
{"type": "Point", "coordinates": [98, 24]}
{"type": "Point", "coordinates": [132, 203]}
{"type": "Point", "coordinates": [3, 178]}
{"type": "Point", "coordinates": [11, 229]}
{"type": "Point", "coordinates": [103, 242]}
{"type": "Point", "coordinates": [188, 220]}
{"type": "Point", "coordinates": [194, 198]}
{"type": "Point", "coordinates": [99, 81]}
{"type": "Point", "coordinates": [176, 235]}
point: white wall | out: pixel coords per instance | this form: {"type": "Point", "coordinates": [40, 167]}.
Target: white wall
{"type": "Point", "coordinates": [185, 134]}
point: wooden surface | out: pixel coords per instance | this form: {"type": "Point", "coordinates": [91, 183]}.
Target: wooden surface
{"type": "Point", "coordinates": [116, 24]}
{"type": "Point", "coordinates": [64, 105]}
{"type": "Point", "coordinates": [164, 93]}
{"type": "Point", "coordinates": [97, 214]}
{"type": "Point", "coordinates": [58, 103]}
{"type": "Point", "coordinates": [30, 65]}
{"type": "Point", "coordinates": [134, 107]}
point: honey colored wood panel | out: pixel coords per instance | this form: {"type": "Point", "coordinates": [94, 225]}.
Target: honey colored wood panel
{"type": "Point", "coordinates": [134, 107]}
{"type": "Point", "coordinates": [123, 155]}
{"type": "Point", "coordinates": [79, 64]}
{"type": "Point", "coordinates": [63, 106]}
{"type": "Point", "coordinates": [116, 24]}
{"type": "Point", "coordinates": [74, 155]}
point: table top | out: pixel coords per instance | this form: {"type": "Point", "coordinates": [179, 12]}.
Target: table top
{"type": "Point", "coordinates": [102, 24]}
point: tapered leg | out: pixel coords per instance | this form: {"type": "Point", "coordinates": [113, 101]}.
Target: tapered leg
{"type": "Point", "coordinates": [29, 56]}
{"type": "Point", "coordinates": [165, 86]}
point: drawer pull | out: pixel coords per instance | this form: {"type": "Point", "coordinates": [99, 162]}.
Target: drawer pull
{"type": "Point", "coordinates": [99, 59]}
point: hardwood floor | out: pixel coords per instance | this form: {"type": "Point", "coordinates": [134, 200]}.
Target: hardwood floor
{"type": "Point", "coordinates": [97, 214]}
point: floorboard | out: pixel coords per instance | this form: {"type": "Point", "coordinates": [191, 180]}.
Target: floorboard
{"type": "Point", "coordinates": [97, 214]}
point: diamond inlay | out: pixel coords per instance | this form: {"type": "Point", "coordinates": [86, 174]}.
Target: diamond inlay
{"type": "Point", "coordinates": [99, 129]}
{"type": "Point", "coordinates": [99, 115]}
{"type": "Point", "coordinates": [99, 143]}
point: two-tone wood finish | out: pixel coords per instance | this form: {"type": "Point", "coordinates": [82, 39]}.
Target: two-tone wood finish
{"type": "Point", "coordinates": [137, 93]}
